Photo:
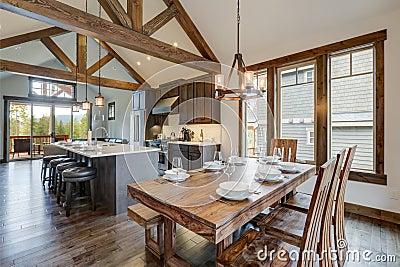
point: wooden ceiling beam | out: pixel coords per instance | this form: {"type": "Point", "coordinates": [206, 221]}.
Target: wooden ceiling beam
{"type": "Point", "coordinates": [81, 53]}
{"type": "Point", "coordinates": [135, 12]}
{"type": "Point", "coordinates": [99, 64]}
{"type": "Point", "coordinates": [136, 76]}
{"type": "Point", "coordinates": [32, 70]}
{"type": "Point", "coordinates": [116, 12]}
{"type": "Point", "coordinates": [72, 19]}
{"type": "Point", "coordinates": [31, 36]}
{"type": "Point", "coordinates": [58, 53]}
{"type": "Point", "coordinates": [160, 20]}
{"type": "Point", "coordinates": [191, 30]}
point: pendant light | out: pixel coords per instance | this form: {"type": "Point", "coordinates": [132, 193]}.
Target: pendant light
{"type": "Point", "coordinates": [245, 79]}
{"type": "Point", "coordinates": [99, 99]}
{"type": "Point", "coordinates": [76, 106]}
{"type": "Point", "coordinates": [86, 104]}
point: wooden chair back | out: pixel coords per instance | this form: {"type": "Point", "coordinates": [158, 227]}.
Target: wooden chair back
{"type": "Point", "coordinates": [338, 217]}
{"type": "Point", "coordinates": [288, 148]}
{"type": "Point", "coordinates": [315, 217]}
{"type": "Point", "coordinates": [325, 242]}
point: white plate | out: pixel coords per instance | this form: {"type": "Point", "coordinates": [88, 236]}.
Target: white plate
{"type": "Point", "coordinates": [289, 169]}
{"type": "Point", "coordinates": [88, 149]}
{"type": "Point", "coordinates": [211, 166]}
{"type": "Point", "coordinates": [175, 178]}
{"type": "Point", "coordinates": [221, 193]}
{"type": "Point", "coordinates": [173, 172]}
{"type": "Point", "coordinates": [278, 178]}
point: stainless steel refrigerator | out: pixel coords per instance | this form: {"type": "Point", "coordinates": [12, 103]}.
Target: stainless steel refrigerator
{"type": "Point", "coordinates": [137, 124]}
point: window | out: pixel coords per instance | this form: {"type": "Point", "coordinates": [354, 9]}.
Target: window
{"type": "Point", "coordinates": [51, 89]}
{"type": "Point", "coordinates": [256, 121]}
{"type": "Point", "coordinates": [111, 111]}
{"type": "Point", "coordinates": [310, 136]}
{"type": "Point", "coordinates": [296, 105]}
{"type": "Point", "coordinates": [352, 104]}
{"type": "Point", "coordinates": [80, 124]}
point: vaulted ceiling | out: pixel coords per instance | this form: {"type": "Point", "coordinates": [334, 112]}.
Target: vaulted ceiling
{"type": "Point", "coordinates": [268, 28]}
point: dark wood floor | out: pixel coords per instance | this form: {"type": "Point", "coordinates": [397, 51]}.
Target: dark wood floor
{"type": "Point", "coordinates": [35, 232]}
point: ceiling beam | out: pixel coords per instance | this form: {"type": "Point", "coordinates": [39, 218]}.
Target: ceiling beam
{"type": "Point", "coordinates": [58, 53]}
{"type": "Point", "coordinates": [136, 76]}
{"type": "Point", "coordinates": [31, 36]}
{"type": "Point", "coordinates": [81, 53]}
{"type": "Point", "coordinates": [191, 30]}
{"type": "Point", "coordinates": [32, 70]}
{"type": "Point", "coordinates": [116, 12]}
{"type": "Point", "coordinates": [99, 64]}
{"type": "Point", "coordinates": [160, 20]}
{"type": "Point", "coordinates": [135, 12]}
{"type": "Point", "coordinates": [72, 19]}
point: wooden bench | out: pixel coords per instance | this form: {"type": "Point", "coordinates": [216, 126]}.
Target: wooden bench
{"type": "Point", "coordinates": [149, 220]}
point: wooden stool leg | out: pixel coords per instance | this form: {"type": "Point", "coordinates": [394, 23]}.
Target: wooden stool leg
{"type": "Point", "coordinates": [59, 189]}
{"type": "Point", "coordinates": [92, 194]}
{"type": "Point", "coordinates": [68, 195]}
{"type": "Point", "coordinates": [44, 175]}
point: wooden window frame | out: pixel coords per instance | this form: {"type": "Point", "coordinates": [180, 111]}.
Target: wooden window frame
{"type": "Point", "coordinates": [320, 55]}
{"type": "Point", "coordinates": [111, 106]}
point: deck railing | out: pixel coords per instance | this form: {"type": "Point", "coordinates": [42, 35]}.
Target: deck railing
{"type": "Point", "coordinates": [37, 143]}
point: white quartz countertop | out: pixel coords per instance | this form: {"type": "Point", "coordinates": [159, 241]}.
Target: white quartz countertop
{"type": "Point", "coordinates": [194, 143]}
{"type": "Point", "coordinates": [106, 150]}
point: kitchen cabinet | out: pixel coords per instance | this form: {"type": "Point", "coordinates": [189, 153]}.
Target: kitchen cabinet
{"type": "Point", "coordinates": [143, 99]}
{"type": "Point", "coordinates": [193, 155]}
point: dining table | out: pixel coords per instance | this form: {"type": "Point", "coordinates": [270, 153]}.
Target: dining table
{"type": "Point", "coordinates": [196, 205]}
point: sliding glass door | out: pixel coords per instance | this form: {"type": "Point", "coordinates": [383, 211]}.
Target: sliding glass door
{"type": "Point", "coordinates": [20, 130]}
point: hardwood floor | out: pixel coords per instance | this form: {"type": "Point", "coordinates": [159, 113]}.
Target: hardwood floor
{"type": "Point", "coordinates": [35, 232]}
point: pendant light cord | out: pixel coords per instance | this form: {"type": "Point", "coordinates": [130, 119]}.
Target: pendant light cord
{"type": "Point", "coordinates": [99, 51]}
{"type": "Point", "coordinates": [238, 26]}
{"type": "Point", "coordinates": [86, 9]}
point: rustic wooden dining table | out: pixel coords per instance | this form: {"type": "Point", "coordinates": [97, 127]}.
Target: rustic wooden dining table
{"type": "Point", "coordinates": [195, 205]}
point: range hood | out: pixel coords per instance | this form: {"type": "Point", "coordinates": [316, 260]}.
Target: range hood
{"type": "Point", "coordinates": [165, 105]}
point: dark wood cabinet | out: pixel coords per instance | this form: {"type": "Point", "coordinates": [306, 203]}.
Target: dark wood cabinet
{"type": "Point", "coordinates": [186, 103]}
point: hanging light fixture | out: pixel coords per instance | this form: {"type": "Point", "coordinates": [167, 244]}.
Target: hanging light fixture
{"type": "Point", "coordinates": [99, 99]}
{"type": "Point", "coordinates": [245, 79]}
{"type": "Point", "coordinates": [76, 106]}
{"type": "Point", "coordinates": [86, 104]}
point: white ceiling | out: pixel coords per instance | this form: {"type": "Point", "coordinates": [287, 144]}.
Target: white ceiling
{"type": "Point", "coordinates": [268, 28]}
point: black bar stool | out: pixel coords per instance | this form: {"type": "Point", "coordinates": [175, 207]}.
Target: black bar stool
{"type": "Point", "coordinates": [45, 165]}
{"type": "Point", "coordinates": [53, 165]}
{"type": "Point", "coordinates": [58, 179]}
{"type": "Point", "coordinates": [78, 174]}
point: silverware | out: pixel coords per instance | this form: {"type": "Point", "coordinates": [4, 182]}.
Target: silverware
{"type": "Point", "coordinates": [257, 192]}
{"type": "Point", "coordinates": [220, 200]}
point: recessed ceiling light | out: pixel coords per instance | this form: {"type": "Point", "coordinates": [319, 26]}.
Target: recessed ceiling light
{"type": "Point", "coordinates": [138, 63]}
{"type": "Point", "coordinates": [148, 58]}
{"type": "Point", "coordinates": [175, 44]}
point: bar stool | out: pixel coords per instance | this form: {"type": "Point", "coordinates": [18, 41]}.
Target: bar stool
{"type": "Point", "coordinates": [45, 164]}
{"type": "Point", "coordinates": [78, 174]}
{"type": "Point", "coordinates": [58, 179]}
{"type": "Point", "coordinates": [53, 165]}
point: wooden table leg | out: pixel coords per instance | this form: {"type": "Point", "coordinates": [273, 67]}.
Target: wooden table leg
{"type": "Point", "coordinates": [221, 246]}
{"type": "Point", "coordinates": [170, 258]}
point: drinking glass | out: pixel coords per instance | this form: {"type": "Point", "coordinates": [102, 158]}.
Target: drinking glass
{"type": "Point", "coordinates": [218, 157]}
{"type": "Point", "coordinates": [230, 167]}
{"type": "Point", "coordinates": [176, 164]}
{"type": "Point", "coordinates": [277, 153]}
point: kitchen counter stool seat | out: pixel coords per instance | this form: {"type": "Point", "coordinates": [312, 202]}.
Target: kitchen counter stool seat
{"type": "Point", "coordinates": [149, 219]}
{"type": "Point", "coordinates": [78, 174]}
{"type": "Point", "coordinates": [53, 164]}
{"type": "Point", "coordinates": [59, 169]}
{"type": "Point", "coordinates": [46, 164]}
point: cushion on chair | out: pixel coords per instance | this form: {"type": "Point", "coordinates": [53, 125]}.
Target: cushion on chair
{"type": "Point", "coordinates": [47, 159]}
{"type": "Point", "coordinates": [55, 162]}
{"type": "Point", "coordinates": [79, 172]}
{"type": "Point", "coordinates": [67, 165]}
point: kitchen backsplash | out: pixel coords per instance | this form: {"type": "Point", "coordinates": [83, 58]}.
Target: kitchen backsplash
{"type": "Point", "coordinates": [209, 130]}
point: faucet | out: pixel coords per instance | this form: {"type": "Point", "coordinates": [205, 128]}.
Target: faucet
{"type": "Point", "coordinates": [99, 128]}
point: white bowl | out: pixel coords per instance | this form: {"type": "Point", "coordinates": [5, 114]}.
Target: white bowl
{"type": "Point", "coordinates": [272, 174]}
{"type": "Point", "coordinates": [234, 189]}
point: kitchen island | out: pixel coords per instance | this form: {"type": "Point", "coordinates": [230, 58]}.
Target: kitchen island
{"type": "Point", "coordinates": [117, 165]}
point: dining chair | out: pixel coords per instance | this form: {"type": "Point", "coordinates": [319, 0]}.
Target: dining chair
{"type": "Point", "coordinates": [246, 250]}
{"type": "Point", "coordinates": [288, 148]}
{"type": "Point", "coordinates": [301, 202]}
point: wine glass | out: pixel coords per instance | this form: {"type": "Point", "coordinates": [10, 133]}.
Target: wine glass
{"type": "Point", "coordinates": [234, 155]}
{"type": "Point", "coordinates": [230, 168]}
{"type": "Point", "coordinates": [277, 154]}
{"type": "Point", "coordinates": [176, 167]}
{"type": "Point", "coordinates": [218, 157]}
